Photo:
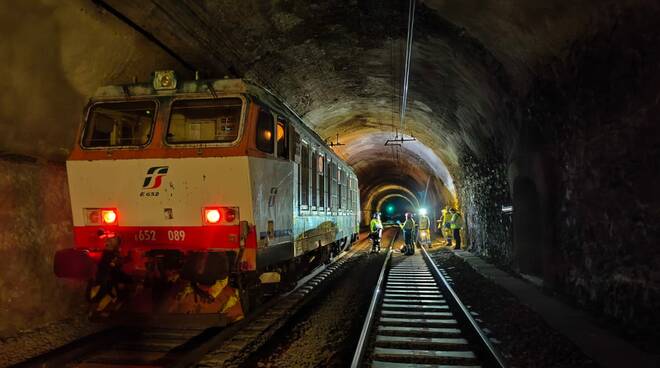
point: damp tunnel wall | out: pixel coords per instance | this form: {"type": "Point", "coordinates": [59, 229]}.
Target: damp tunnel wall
{"type": "Point", "coordinates": [54, 56]}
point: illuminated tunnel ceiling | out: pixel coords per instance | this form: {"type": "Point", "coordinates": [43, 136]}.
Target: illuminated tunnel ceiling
{"type": "Point", "coordinates": [338, 64]}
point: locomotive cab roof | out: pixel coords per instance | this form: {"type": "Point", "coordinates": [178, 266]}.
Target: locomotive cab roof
{"type": "Point", "coordinates": [165, 83]}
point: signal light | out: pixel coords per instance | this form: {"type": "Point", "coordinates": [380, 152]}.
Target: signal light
{"type": "Point", "coordinates": [219, 215]}
{"type": "Point", "coordinates": [99, 216]}
{"type": "Point", "coordinates": [109, 217]}
{"type": "Point", "coordinates": [230, 215]}
{"type": "Point", "coordinates": [212, 215]}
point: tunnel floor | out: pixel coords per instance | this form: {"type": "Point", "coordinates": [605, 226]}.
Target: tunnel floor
{"type": "Point", "coordinates": [325, 332]}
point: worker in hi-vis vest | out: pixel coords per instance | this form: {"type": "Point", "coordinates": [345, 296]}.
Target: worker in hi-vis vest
{"type": "Point", "coordinates": [456, 224]}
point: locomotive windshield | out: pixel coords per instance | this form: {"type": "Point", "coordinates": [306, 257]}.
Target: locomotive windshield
{"type": "Point", "coordinates": [119, 124]}
{"type": "Point", "coordinates": [205, 121]}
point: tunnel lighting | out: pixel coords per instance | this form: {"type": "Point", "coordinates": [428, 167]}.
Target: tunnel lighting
{"type": "Point", "coordinates": [109, 216]}
{"type": "Point", "coordinates": [390, 209]}
{"type": "Point", "coordinates": [164, 80]}
{"type": "Point", "coordinates": [212, 215]}
{"type": "Point", "coordinates": [423, 211]}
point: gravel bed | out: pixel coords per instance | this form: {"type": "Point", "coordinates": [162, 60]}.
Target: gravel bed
{"type": "Point", "coordinates": [30, 343]}
{"type": "Point", "coordinates": [523, 336]}
{"type": "Point", "coordinates": [325, 333]}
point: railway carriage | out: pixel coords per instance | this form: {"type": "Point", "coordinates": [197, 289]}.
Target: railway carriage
{"type": "Point", "coordinates": [192, 197]}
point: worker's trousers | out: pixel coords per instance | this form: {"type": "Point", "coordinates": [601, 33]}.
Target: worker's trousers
{"type": "Point", "coordinates": [457, 237]}
{"type": "Point", "coordinates": [408, 239]}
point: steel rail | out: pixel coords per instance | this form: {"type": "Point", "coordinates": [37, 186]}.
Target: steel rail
{"type": "Point", "coordinates": [373, 306]}
{"type": "Point", "coordinates": [493, 356]}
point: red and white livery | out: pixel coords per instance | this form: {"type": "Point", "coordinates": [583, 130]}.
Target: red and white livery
{"type": "Point", "coordinates": [189, 197]}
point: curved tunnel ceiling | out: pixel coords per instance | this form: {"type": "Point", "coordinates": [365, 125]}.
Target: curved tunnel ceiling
{"type": "Point", "coordinates": [339, 64]}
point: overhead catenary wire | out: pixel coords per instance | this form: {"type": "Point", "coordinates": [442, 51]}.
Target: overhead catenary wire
{"type": "Point", "coordinates": [406, 69]}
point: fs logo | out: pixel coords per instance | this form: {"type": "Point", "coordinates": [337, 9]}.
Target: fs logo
{"type": "Point", "coordinates": [154, 177]}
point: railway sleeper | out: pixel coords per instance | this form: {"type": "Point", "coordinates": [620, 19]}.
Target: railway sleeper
{"type": "Point", "coordinates": [425, 356]}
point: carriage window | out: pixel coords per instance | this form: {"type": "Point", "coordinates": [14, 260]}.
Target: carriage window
{"type": "Point", "coordinates": [345, 191]}
{"type": "Point", "coordinates": [119, 124]}
{"type": "Point", "coordinates": [340, 192]}
{"type": "Point", "coordinates": [331, 191]}
{"type": "Point", "coordinates": [315, 178]}
{"type": "Point", "coordinates": [304, 176]}
{"type": "Point", "coordinates": [265, 132]}
{"type": "Point", "coordinates": [333, 184]}
{"type": "Point", "coordinates": [282, 139]}
{"type": "Point", "coordinates": [321, 181]}
{"type": "Point", "coordinates": [349, 201]}
{"type": "Point", "coordinates": [205, 121]}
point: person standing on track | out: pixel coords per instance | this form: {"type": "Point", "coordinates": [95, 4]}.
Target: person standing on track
{"type": "Point", "coordinates": [408, 228]}
{"type": "Point", "coordinates": [376, 232]}
{"type": "Point", "coordinates": [456, 224]}
{"type": "Point", "coordinates": [424, 228]}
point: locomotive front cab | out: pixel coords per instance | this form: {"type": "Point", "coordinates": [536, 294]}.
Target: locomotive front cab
{"type": "Point", "coordinates": [160, 195]}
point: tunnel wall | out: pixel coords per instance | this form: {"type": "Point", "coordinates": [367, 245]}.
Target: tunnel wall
{"type": "Point", "coordinates": [53, 56]}
{"type": "Point", "coordinates": [482, 191]}
{"type": "Point", "coordinates": [35, 220]}
{"type": "Point", "coordinates": [590, 158]}
{"type": "Point", "coordinates": [603, 112]}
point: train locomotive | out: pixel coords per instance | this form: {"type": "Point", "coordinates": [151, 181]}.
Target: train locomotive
{"type": "Point", "coordinates": [193, 197]}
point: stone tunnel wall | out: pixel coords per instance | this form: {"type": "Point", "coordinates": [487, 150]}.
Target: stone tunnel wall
{"type": "Point", "coordinates": [53, 56]}
{"type": "Point", "coordinates": [35, 220]}
{"type": "Point", "coordinates": [597, 110]}
{"type": "Point", "coordinates": [482, 191]}
{"type": "Point", "coordinates": [604, 113]}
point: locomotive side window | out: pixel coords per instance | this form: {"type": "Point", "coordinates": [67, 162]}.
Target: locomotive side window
{"type": "Point", "coordinates": [119, 124]}
{"type": "Point", "coordinates": [205, 121]}
{"type": "Point", "coordinates": [265, 138]}
{"type": "Point", "coordinates": [304, 175]}
{"type": "Point", "coordinates": [282, 134]}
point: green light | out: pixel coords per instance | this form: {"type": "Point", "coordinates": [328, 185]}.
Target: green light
{"type": "Point", "coordinates": [390, 209]}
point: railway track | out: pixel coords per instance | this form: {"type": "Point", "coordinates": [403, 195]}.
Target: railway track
{"type": "Point", "coordinates": [165, 346]}
{"type": "Point", "coordinates": [417, 320]}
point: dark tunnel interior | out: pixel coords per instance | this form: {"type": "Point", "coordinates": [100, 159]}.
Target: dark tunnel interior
{"type": "Point", "coordinates": [548, 106]}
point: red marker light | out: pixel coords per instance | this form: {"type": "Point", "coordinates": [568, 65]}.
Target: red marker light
{"type": "Point", "coordinates": [230, 215]}
{"type": "Point", "coordinates": [109, 217]}
{"type": "Point", "coordinates": [212, 215]}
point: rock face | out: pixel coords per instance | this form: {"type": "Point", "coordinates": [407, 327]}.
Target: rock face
{"type": "Point", "coordinates": [54, 55]}
{"type": "Point", "coordinates": [547, 106]}
{"type": "Point", "coordinates": [603, 116]}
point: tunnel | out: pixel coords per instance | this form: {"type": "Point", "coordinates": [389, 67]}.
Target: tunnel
{"type": "Point", "coordinates": [549, 108]}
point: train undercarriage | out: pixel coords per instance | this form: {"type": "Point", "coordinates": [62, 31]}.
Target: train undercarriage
{"type": "Point", "coordinates": [168, 284]}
